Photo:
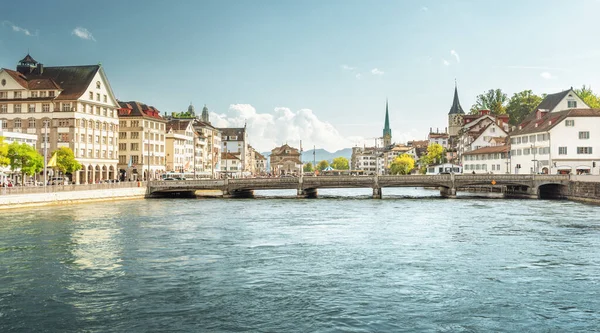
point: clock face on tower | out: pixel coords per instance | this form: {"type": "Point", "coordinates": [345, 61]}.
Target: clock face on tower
{"type": "Point", "coordinates": [456, 119]}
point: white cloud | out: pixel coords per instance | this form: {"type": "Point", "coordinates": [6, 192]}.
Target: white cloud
{"type": "Point", "coordinates": [376, 71]}
{"type": "Point", "coordinates": [547, 75]}
{"type": "Point", "coordinates": [424, 9]}
{"type": "Point", "coordinates": [269, 130]}
{"type": "Point", "coordinates": [358, 76]}
{"type": "Point", "coordinates": [18, 29]}
{"type": "Point", "coordinates": [445, 62]}
{"type": "Point", "coordinates": [83, 33]}
{"type": "Point", "coordinates": [452, 52]}
{"type": "Point", "coordinates": [347, 68]}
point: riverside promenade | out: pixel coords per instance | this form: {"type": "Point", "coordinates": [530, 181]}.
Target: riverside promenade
{"type": "Point", "coordinates": [25, 196]}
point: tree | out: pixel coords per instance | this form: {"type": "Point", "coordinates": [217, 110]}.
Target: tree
{"type": "Point", "coordinates": [25, 158]}
{"type": "Point", "coordinates": [493, 100]}
{"type": "Point", "coordinates": [65, 160]}
{"type": "Point", "coordinates": [322, 165]}
{"type": "Point", "coordinates": [308, 167]}
{"type": "Point", "coordinates": [402, 165]}
{"type": "Point", "coordinates": [588, 96]}
{"type": "Point", "coordinates": [435, 154]}
{"type": "Point", "coordinates": [520, 105]}
{"type": "Point", "coordinates": [4, 160]}
{"type": "Point", "coordinates": [340, 163]}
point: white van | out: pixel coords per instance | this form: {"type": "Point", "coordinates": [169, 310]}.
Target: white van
{"type": "Point", "coordinates": [58, 181]}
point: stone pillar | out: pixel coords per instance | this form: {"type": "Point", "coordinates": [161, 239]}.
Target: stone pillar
{"type": "Point", "coordinates": [377, 192]}
{"type": "Point", "coordinates": [77, 175]}
{"type": "Point", "coordinates": [93, 175]}
{"type": "Point", "coordinates": [532, 192]}
{"type": "Point", "coordinates": [448, 192]}
{"type": "Point", "coordinates": [107, 173]}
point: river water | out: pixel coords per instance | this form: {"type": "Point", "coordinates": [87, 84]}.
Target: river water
{"type": "Point", "coordinates": [411, 262]}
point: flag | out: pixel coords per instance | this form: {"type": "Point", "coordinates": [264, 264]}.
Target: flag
{"type": "Point", "coordinates": [52, 162]}
{"type": "Point", "coordinates": [130, 164]}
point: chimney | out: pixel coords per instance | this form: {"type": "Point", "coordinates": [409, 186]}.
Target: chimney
{"type": "Point", "coordinates": [40, 69]}
{"type": "Point", "coordinates": [446, 130]}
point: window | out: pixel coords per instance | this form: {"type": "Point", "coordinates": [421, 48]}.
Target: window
{"type": "Point", "coordinates": [98, 110]}
{"type": "Point", "coordinates": [572, 104]}
{"type": "Point", "coordinates": [89, 138]}
{"type": "Point", "coordinates": [525, 139]}
{"type": "Point", "coordinates": [233, 138]}
{"type": "Point", "coordinates": [82, 139]}
{"type": "Point", "coordinates": [584, 150]}
{"type": "Point", "coordinates": [4, 124]}
{"type": "Point", "coordinates": [66, 106]}
{"type": "Point", "coordinates": [122, 135]}
{"type": "Point", "coordinates": [570, 123]}
{"type": "Point", "coordinates": [3, 108]}
{"type": "Point", "coordinates": [63, 123]}
{"type": "Point", "coordinates": [17, 108]}
{"type": "Point", "coordinates": [63, 137]}
{"type": "Point", "coordinates": [96, 153]}
{"type": "Point", "coordinates": [498, 167]}
{"type": "Point", "coordinates": [97, 139]}
{"type": "Point", "coordinates": [45, 107]}
{"type": "Point", "coordinates": [3, 95]}
{"type": "Point", "coordinates": [34, 94]}
{"type": "Point", "coordinates": [518, 152]}
{"type": "Point", "coordinates": [17, 94]}
{"type": "Point", "coordinates": [97, 84]}
{"type": "Point", "coordinates": [89, 153]}
{"type": "Point", "coordinates": [105, 99]}
{"type": "Point", "coordinates": [562, 150]}
{"type": "Point", "coordinates": [584, 135]}
{"type": "Point", "coordinates": [122, 159]}
{"type": "Point", "coordinates": [17, 123]}
{"type": "Point", "coordinates": [31, 108]}
{"type": "Point", "coordinates": [135, 135]}
{"type": "Point", "coordinates": [97, 125]}
{"type": "Point", "coordinates": [42, 94]}
{"type": "Point", "coordinates": [91, 96]}
{"type": "Point", "coordinates": [122, 146]}
{"type": "Point", "coordinates": [104, 113]}
{"type": "Point", "coordinates": [31, 123]}
{"type": "Point", "coordinates": [526, 151]}
{"type": "Point", "coordinates": [51, 93]}
{"type": "Point", "coordinates": [98, 99]}
{"type": "Point", "coordinates": [134, 147]}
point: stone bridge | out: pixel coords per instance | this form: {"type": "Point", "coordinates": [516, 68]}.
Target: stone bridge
{"type": "Point", "coordinates": [519, 185]}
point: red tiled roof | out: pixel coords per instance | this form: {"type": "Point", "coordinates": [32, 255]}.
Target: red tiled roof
{"type": "Point", "coordinates": [549, 120]}
{"type": "Point", "coordinates": [20, 78]}
{"type": "Point", "coordinates": [488, 150]}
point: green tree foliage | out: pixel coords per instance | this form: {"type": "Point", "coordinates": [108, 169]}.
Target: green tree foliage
{"type": "Point", "coordinates": [520, 105]}
{"type": "Point", "coordinates": [435, 155]}
{"type": "Point", "coordinates": [308, 167]}
{"type": "Point", "coordinates": [4, 160]}
{"type": "Point", "coordinates": [322, 165]}
{"type": "Point", "coordinates": [402, 165]}
{"type": "Point", "coordinates": [588, 96]}
{"type": "Point", "coordinates": [25, 158]}
{"type": "Point", "coordinates": [493, 100]}
{"type": "Point", "coordinates": [182, 115]}
{"type": "Point", "coordinates": [340, 163]}
{"type": "Point", "coordinates": [65, 160]}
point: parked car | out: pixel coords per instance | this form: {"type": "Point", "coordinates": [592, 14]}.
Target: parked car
{"type": "Point", "coordinates": [58, 181]}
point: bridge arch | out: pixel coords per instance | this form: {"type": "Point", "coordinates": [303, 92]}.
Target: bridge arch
{"type": "Point", "coordinates": [552, 191]}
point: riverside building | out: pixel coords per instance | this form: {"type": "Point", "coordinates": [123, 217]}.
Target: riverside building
{"type": "Point", "coordinates": [142, 152]}
{"type": "Point", "coordinates": [64, 106]}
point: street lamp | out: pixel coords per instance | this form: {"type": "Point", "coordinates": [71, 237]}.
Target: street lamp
{"type": "Point", "coordinates": [45, 153]}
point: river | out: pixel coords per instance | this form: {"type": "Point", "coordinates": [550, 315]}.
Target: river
{"type": "Point", "coordinates": [411, 262]}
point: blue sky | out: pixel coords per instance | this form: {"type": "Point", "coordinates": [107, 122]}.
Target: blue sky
{"type": "Point", "coordinates": [317, 70]}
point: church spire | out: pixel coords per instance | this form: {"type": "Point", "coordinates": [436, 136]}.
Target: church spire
{"type": "Point", "coordinates": [387, 132]}
{"type": "Point", "coordinates": [456, 108]}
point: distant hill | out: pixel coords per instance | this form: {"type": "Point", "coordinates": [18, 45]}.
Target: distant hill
{"type": "Point", "coordinates": [321, 154]}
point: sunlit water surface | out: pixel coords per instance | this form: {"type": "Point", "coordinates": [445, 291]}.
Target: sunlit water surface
{"type": "Point", "coordinates": [342, 263]}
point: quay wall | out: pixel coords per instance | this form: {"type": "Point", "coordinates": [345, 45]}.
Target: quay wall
{"type": "Point", "coordinates": [69, 197]}
{"type": "Point", "coordinates": [584, 191]}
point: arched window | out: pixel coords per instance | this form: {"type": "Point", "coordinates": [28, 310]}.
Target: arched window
{"type": "Point", "coordinates": [17, 123]}
{"type": "Point", "coordinates": [31, 123]}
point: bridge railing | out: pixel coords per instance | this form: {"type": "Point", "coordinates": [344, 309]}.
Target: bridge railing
{"type": "Point", "coordinates": [249, 181]}
{"type": "Point", "coordinates": [186, 183]}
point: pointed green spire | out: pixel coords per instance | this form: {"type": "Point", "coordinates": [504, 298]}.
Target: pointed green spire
{"type": "Point", "coordinates": [387, 132]}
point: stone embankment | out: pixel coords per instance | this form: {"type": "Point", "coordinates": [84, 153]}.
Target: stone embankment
{"type": "Point", "coordinates": [584, 189]}
{"type": "Point", "coordinates": [11, 198]}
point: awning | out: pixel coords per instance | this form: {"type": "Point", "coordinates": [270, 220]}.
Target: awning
{"type": "Point", "coordinates": [583, 167]}
{"type": "Point", "coordinates": [563, 168]}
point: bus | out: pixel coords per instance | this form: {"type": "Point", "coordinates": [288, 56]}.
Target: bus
{"type": "Point", "coordinates": [171, 175]}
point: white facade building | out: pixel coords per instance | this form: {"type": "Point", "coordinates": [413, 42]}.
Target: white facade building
{"type": "Point", "coordinates": [557, 142]}
{"type": "Point", "coordinates": [493, 159]}
{"type": "Point", "coordinates": [369, 159]}
{"type": "Point", "coordinates": [443, 168]}
{"type": "Point", "coordinates": [179, 145]}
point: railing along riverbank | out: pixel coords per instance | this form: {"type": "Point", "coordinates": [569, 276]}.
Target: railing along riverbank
{"type": "Point", "coordinates": [67, 188]}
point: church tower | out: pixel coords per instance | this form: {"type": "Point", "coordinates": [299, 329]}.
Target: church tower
{"type": "Point", "coordinates": [455, 116]}
{"type": "Point", "coordinates": [205, 115]}
{"type": "Point", "coordinates": [387, 132]}
{"type": "Point", "coordinates": [191, 111]}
